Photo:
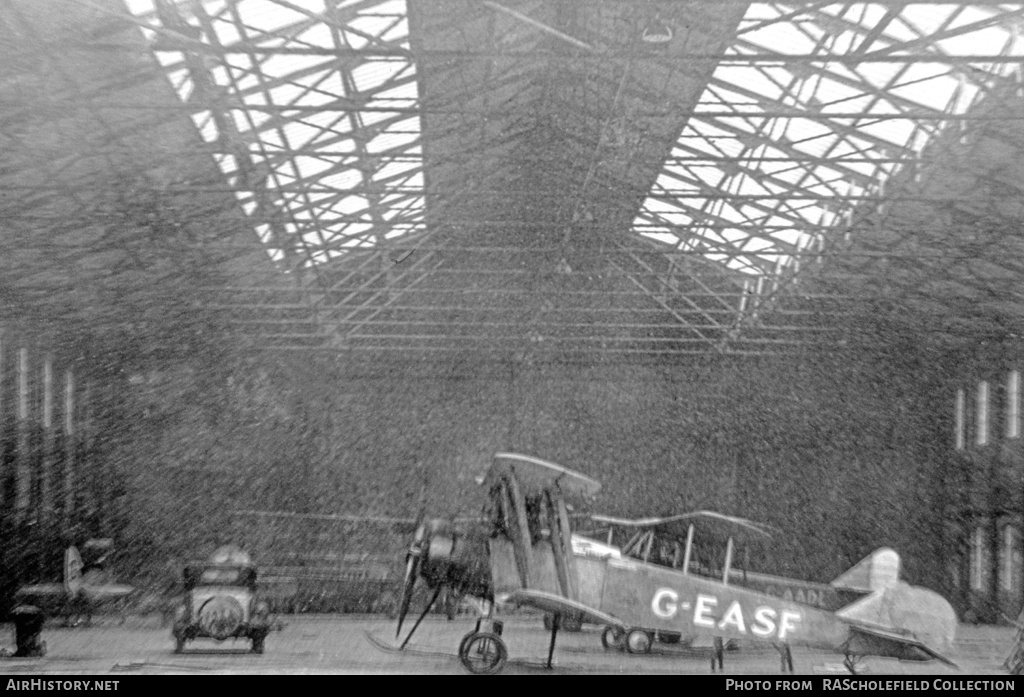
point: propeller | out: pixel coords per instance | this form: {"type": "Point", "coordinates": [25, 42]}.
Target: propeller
{"type": "Point", "coordinates": [413, 559]}
{"type": "Point", "coordinates": [446, 553]}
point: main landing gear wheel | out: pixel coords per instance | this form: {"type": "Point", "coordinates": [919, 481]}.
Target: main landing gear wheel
{"type": "Point", "coordinates": [639, 641]}
{"type": "Point", "coordinates": [465, 640]}
{"type": "Point", "coordinates": [612, 638]}
{"type": "Point", "coordinates": [483, 653]}
{"type": "Point", "coordinates": [257, 644]}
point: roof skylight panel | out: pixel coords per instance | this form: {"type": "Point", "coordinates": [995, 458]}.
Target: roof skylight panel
{"type": "Point", "coordinates": [302, 148]}
{"type": "Point", "coordinates": [341, 181]}
{"type": "Point", "coordinates": [263, 16]}
{"type": "Point", "coordinates": [386, 142]}
{"type": "Point", "coordinates": [871, 87]}
{"type": "Point", "coordinates": [402, 174]}
{"type": "Point", "coordinates": [351, 205]}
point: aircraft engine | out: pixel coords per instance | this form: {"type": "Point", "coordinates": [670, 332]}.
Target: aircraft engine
{"type": "Point", "coordinates": [446, 555]}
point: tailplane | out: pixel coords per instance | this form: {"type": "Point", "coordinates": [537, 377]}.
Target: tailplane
{"type": "Point", "coordinates": [72, 570]}
{"type": "Point", "coordinates": [878, 570]}
{"type": "Point", "coordinates": [907, 611]}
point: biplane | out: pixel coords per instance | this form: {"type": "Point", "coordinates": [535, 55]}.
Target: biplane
{"type": "Point", "coordinates": [80, 594]}
{"type": "Point", "coordinates": [524, 557]}
{"type": "Point", "coordinates": [669, 541]}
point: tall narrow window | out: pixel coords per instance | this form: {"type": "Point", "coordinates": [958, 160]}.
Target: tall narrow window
{"type": "Point", "coordinates": [1013, 404]}
{"type": "Point", "coordinates": [977, 558]}
{"type": "Point", "coordinates": [1008, 557]}
{"type": "Point", "coordinates": [959, 419]}
{"type": "Point", "coordinates": [982, 434]}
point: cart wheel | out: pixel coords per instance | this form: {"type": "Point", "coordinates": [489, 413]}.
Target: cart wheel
{"type": "Point", "coordinates": [483, 653]}
{"type": "Point", "coordinates": [639, 641]}
{"type": "Point", "coordinates": [611, 637]}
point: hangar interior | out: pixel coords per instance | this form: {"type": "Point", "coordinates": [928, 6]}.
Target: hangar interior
{"type": "Point", "coordinates": [325, 257]}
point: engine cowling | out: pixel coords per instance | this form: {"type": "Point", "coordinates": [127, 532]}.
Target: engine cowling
{"type": "Point", "coordinates": [446, 555]}
{"type": "Point", "coordinates": [456, 558]}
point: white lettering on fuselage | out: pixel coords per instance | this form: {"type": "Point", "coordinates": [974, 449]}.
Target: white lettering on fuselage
{"type": "Point", "coordinates": [665, 609]}
{"type": "Point", "coordinates": [767, 622]}
{"type": "Point", "coordinates": [803, 596]}
{"type": "Point", "coordinates": [705, 603]}
{"type": "Point", "coordinates": [665, 603]}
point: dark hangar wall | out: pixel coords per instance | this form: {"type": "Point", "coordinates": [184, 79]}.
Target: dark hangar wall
{"type": "Point", "coordinates": [842, 452]}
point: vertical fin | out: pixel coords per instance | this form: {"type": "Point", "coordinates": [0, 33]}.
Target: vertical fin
{"type": "Point", "coordinates": [878, 570]}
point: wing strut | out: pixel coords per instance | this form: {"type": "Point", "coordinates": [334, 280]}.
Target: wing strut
{"type": "Point", "coordinates": [523, 538]}
{"type": "Point", "coordinates": [728, 562]}
{"type": "Point", "coordinates": [570, 558]}
{"type": "Point", "coordinates": [562, 555]}
{"type": "Point", "coordinates": [512, 524]}
{"type": "Point", "coordinates": [689, 550]}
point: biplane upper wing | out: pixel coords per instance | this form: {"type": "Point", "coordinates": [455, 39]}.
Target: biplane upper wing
{"type": "Point", "coordinates": [870, 640]}
{"type": "Point", "coordinates": [708, 524]}
{"type": "Point", "coordinates": [535, 475]}
{"type": "Point", "coordinates": [559, 605]}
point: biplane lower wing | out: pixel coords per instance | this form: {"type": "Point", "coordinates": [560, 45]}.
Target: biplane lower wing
{"type": "Point", "coordinates": [560, 605]}
{"type": "Point", "coordinates": [868, 640]}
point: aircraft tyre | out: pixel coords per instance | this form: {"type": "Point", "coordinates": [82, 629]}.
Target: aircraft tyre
{"type": "Point", "coordinates": [179, 644]}
{"type": "Point", "coordinates": [483, 653]}
{"type": "Point", "coordinates": [639, 641]}
{"type": "Point", "coordinates": [464, 641]}
{"type": "Point", "coordinates": [612, 638]}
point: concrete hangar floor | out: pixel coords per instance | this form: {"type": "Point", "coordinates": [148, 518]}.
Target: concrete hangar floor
{"type": "Point", "coordinates": [360, 644]}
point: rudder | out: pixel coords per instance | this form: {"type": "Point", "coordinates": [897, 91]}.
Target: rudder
{"type": "Point", "coordinates": [878, 570]}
